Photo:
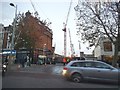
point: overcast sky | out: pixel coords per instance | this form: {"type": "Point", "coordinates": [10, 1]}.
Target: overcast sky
{"type": "Point", "coordinates": [54, 11]}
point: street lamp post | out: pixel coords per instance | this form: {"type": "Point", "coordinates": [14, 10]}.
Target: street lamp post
{"type": "Point", "coordinates": [13, 34]}
{"type": "Point", "coordinates": [14, 26]}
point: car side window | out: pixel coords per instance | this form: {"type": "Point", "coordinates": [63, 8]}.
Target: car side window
{"type": "Point", "coordinates": [75, 64]}
{"type": "Point", "coordinates": [88, 64]}
{"type": "Point", "coordinates": [101, 65]}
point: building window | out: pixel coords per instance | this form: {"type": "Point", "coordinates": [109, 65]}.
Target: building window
{"type": "Point", "coordinates": [107, 46]}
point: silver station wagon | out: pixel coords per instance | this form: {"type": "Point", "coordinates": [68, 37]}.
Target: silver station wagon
{"type": "Point", "coordinates": [79, 70]}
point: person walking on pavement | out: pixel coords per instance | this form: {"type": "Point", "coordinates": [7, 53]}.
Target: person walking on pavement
{"type": "Point", "coordinates": [68, 60]}
{"type": "Point", "coordinates": [64, 61]}
{"type": "Point", "coordinates": [23, 60]}
{"type": "Point", "coordinates": [6, 60]}
{"type": "Point", "coordinates": [44, 60]}
{"type": "Point", "coordinates": [28, 60]}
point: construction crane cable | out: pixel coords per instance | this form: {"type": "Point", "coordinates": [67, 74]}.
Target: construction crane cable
{"type": "Point", "coordinates": [68, 13]}
{"type": "Point", "coordinates": [33, 6]}
{"type": "Point", "coordinates": [36, 13]}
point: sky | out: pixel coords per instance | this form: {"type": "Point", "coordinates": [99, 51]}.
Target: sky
{"type": "Point", "coordinates": [54, 11]}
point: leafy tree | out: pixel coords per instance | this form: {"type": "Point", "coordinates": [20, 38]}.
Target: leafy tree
{"type": "Point", "coordinates": [99, 18]}
{"type": "Point", "coordinates": [22, 33]}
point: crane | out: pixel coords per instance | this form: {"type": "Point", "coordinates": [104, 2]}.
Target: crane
{"type": "Point", "coordinates": [36, 13]}
{"type": "Point", "coordinates": [64, 29]}
{"type": "Point", "coordinates": [71, 45]}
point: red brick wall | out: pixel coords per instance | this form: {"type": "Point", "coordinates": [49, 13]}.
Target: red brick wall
{"type": "Point", "coordinates": [39, 32]}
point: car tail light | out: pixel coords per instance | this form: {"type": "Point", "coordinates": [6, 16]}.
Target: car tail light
{"type": "Point", "coordinates": [65, 68]}
{"type": "Point", "coordinates": [64, 71]}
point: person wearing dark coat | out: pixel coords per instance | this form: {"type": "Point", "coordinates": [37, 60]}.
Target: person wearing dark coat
{"type": "Point", "coordinates": [23, 60]}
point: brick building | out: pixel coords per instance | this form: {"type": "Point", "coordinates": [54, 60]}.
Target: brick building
{"type": "Point", "coordinates": [4, 31]}
{"type": "Point", "coordinates": [38, 35]}
{"type": "Point", "coordinates": [37, 30]}
{"type": "Point", "coordinates": [1, 35]}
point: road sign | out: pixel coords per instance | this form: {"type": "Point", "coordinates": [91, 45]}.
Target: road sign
{"type": "Point", "coordinates": [9, 52]}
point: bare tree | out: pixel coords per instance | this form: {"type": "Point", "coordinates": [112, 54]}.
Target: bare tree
{"type": "Point", "coordinates": [96, 18]}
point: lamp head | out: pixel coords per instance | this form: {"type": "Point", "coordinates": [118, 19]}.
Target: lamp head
{"type": "Point", "coordinates": [11, 4]}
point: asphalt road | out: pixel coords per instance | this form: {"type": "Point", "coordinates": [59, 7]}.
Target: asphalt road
{"type": "Point", "coordinates": [46, 77]}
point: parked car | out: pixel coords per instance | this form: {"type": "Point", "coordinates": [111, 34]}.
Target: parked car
{"type": "Point", "coordinates": [79, 70]}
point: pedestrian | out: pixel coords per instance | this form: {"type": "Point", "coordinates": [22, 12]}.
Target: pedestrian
{"type": "Point", "coordinates": [28, 61]}
{"type": "Point", "coordinates": [6, 60]}
{"type": "Point", "coordinates": [64, 61]}
{"type": "Point", "coordinates": [68, 60]}
{"type": "Point", "coordinates": [45, 61]}
{"type": "Point", "coordinates": [22, 62]}
{"type": "Point", "coordinates": [53, 60]}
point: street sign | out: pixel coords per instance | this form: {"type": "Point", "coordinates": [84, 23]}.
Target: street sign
{"type": "Point", "coordinates": [9, 52]}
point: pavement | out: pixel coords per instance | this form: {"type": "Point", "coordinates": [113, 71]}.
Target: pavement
{"type": "Point", "coordinates": [49, 68]}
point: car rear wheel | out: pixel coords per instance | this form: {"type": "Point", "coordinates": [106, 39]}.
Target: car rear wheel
{"type": "Point", "coordinates": [77, 78]}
